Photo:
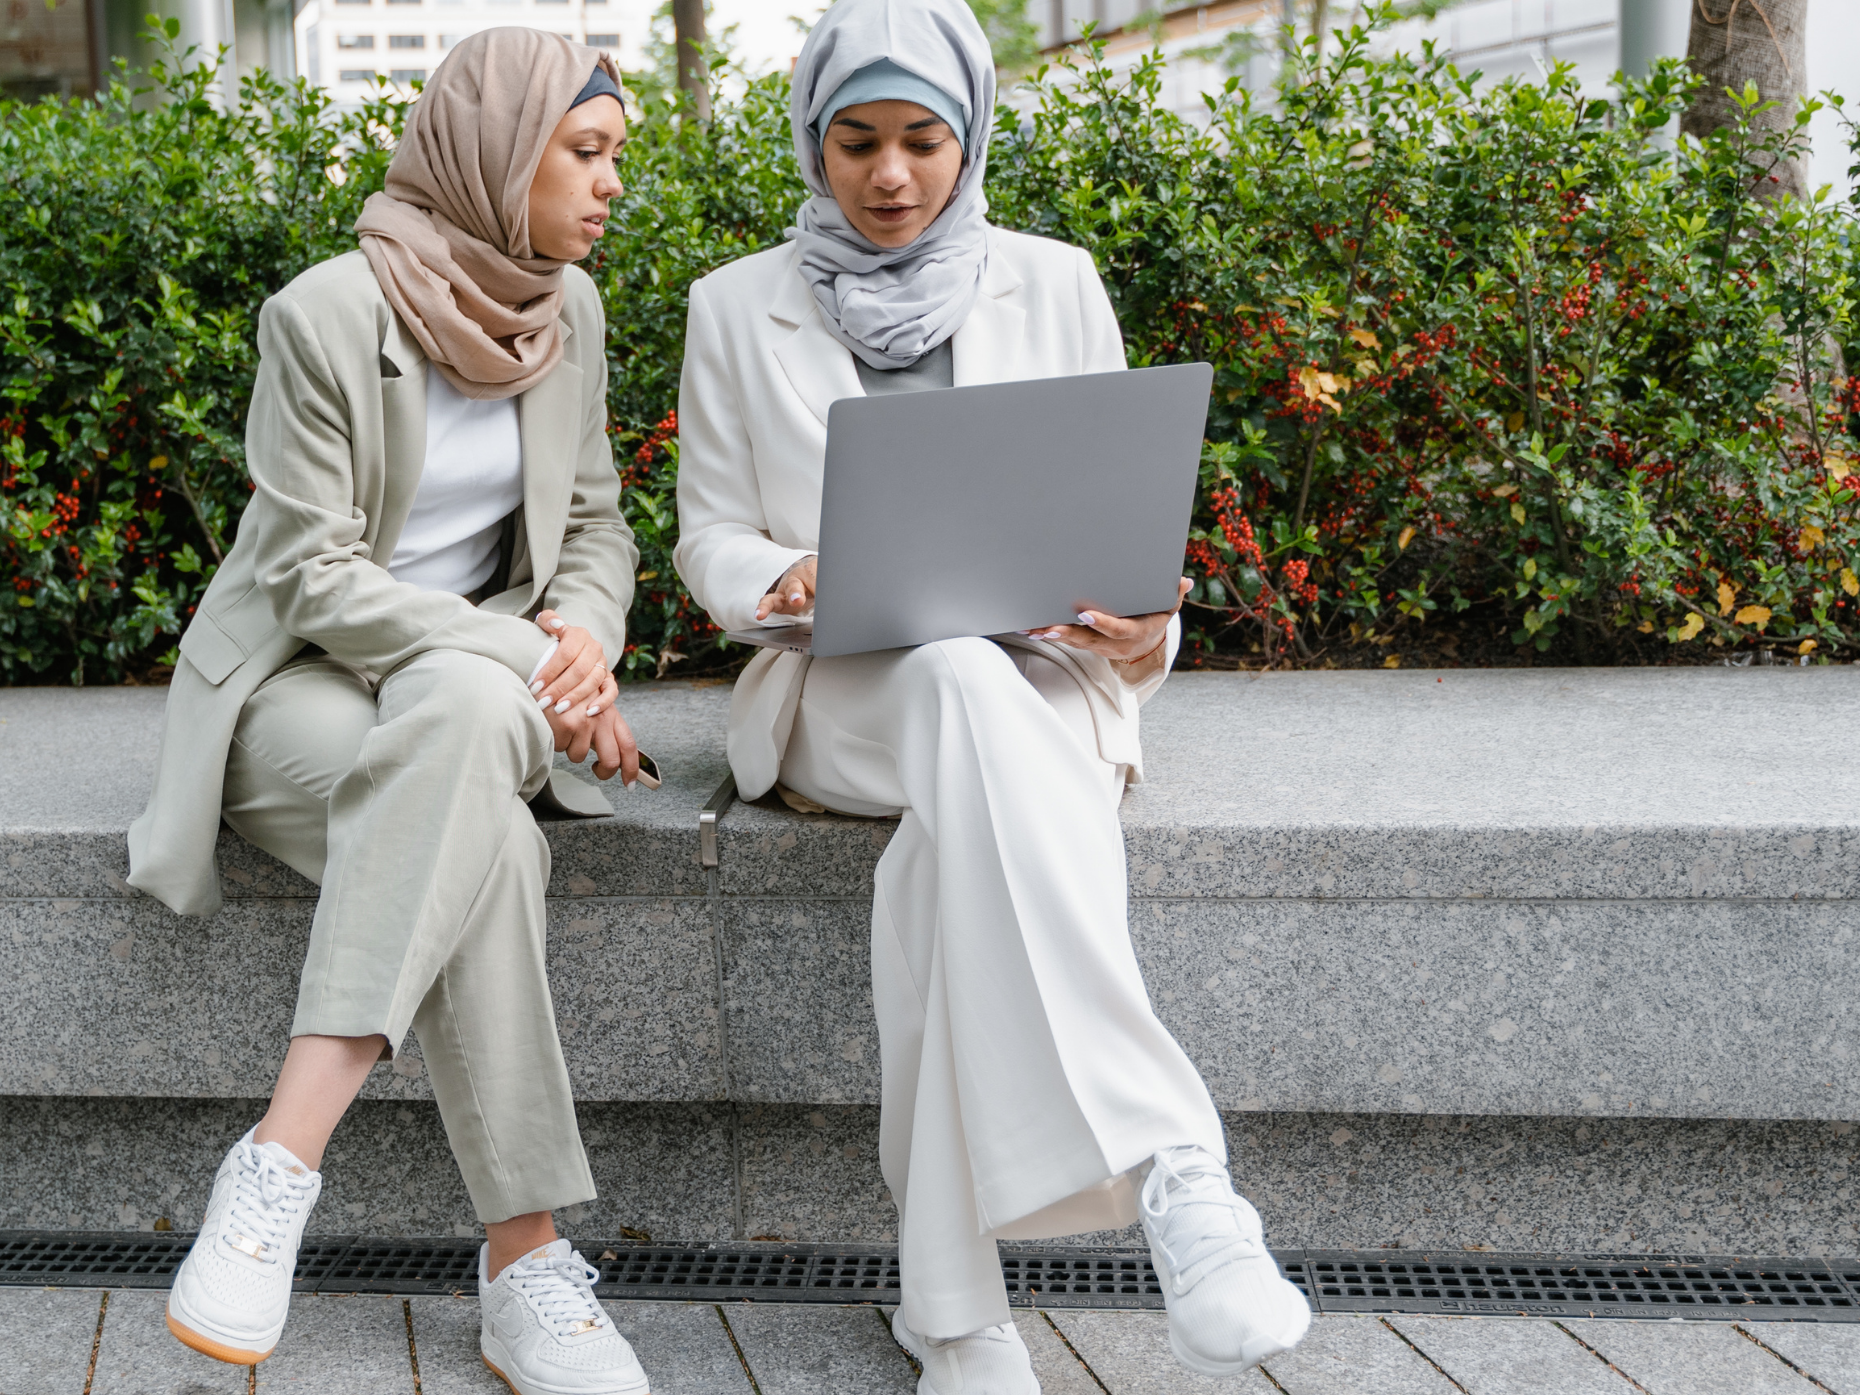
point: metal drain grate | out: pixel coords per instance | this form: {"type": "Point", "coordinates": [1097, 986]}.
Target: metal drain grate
{"type": "Point", "coordinates": [1377, 1281]}
{"type": "Point", "coordinates": [1693, 1286]}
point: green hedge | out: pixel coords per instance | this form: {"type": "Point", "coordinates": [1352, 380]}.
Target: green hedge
{"type": "Point", "coordinates": [1486, 359]}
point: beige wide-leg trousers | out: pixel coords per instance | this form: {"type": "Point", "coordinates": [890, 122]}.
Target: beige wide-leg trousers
{"type": "Point", "coordinates": [405, 800]}
{"type": "Point", "coordinates": [1024, 1071]}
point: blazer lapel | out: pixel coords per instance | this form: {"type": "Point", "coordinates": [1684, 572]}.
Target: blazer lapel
{"type": "Point", "coordinates": [549, 425]}
{"type": "Point", "coordinates": [403, 435]}
{"type": "Point", "coordinates": [987, 349]}
{"type": "Point", "coordinates": [819, 367]}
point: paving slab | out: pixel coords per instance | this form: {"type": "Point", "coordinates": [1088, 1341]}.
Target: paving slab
{"type": "Point", "coordinates": [1353, 1356]}
{"type": "Point", "coordinates": [139, 1356]}
{"type": "Point", "coordinates": [1510, 1356]}
{"type": "Point", "coordinates": [45, 1339]}
{"type": "Point", "coordinates": [342, 1344]}
{"type": "Point", "coordinates": [1689, 1358]}
{"type": "Point", "coordinates": [683, 1346]}
{"type": "Point", "coordinates": [1129, 1354]}
{"type": "Point", "coordinates": [1830, 1352]}
{"type": "Point", "coordinates": [1060, 1372]}
{"type": "Point", "coordinates": [814, 1349]}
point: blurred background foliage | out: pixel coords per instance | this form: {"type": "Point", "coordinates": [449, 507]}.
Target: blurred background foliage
{"type": "Point", "coordinates": [1500, 375]}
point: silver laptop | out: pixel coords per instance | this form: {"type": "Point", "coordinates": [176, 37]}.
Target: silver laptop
{"type": "Point", "coordinates": [1001, 507]}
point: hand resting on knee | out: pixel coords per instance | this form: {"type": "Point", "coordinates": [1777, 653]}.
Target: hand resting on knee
{"type": "Point", "coordinates": [577, 695]}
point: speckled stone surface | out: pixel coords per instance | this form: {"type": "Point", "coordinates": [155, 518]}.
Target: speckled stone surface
{"type": "Point", "coordinates": [1562, 1008]}
{"type": "Point", "coordinates": [1689, 1358]}
{"type": "Point", "coordinates": [1519, 783]}
{"type": "Point", "coordinates": [1548, 1185]}
{"type": "Point", "coordinates": [342, 1344]}
{"type": "Point", "coordinates": [137, 1355]}
{"type": "Point", "coordinates": [45, 1339]}
{"type": "Point", "coordinates": [683, 1347]}
{"type": "Point", "coordinates": [118, 996]}
{"type": "Point", "coordinates": [1129, 1353]}
{"type": "Point", "coordinates": [1829, 1353]}
{"type": "Point", "coordinates": [1055, 1365]}
{"type": "Point", "coordinates": [1510, 1356]}
{"type": "Point", "coordinates": [811, 1349]}
{"type": "Point", "coordinates": [1587, 783]}
{"type": "Point", "coordinates": [798, 996]}
{"type": "Point", "coordinates": [109, 1164]}
{"type": "Point", "coordinates": [61, 836]}
{"type": "Point", "coordinates": [1354, 1356]}
{"type": "Point", "coordinates": [811, 1173]}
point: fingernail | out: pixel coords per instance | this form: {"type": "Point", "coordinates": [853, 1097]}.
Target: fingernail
{"type": "Point", "coordinates": [1050, 634]}
{"type": "Point", "coordinates": [557, 624]}
{"type": "Point", "coordinates": [595, 710]}
{"type": "Point", "coordinates": [536, 687]}
{"type": "Point", "coordinates": [1085, 618]}
{"type": "Point", "coordinates": [561, 707]}
{"type": "Point", "coordinates": [544, 700]}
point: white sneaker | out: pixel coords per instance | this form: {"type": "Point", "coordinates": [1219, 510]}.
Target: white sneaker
{"type": "Point", "coordinates": [545, 1333]}
{"type": "Point", "coordinates": [1229, 1307]}
{"type": "Point", "coordinates": [233, 1291]}
{"type": "Point", "coordinates": [993, 1361]}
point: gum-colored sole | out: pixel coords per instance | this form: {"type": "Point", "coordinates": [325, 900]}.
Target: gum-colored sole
{"type": "Point", "coordinates": [219, 1351]}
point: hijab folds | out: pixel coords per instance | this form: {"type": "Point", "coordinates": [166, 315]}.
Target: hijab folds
{"type": "Point", "coordinates": [892, 305]}
{"type": "Point", "coordinates": [448, 237]}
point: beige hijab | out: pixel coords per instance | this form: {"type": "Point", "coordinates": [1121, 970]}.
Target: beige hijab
{"type": "Point", "coordinates": [449, 238]}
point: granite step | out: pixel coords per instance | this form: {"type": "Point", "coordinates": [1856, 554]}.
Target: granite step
{"type": "Point", "coordinates": [1365, 902]}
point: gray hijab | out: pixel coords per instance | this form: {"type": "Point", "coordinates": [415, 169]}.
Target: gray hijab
{"type": "Point", "coordinates": [892, 305]}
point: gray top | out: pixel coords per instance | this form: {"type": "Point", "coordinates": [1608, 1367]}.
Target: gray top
{"type": "Point", "coordinates": [936, 369]}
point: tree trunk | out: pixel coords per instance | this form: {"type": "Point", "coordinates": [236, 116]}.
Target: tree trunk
{"type": "Point", "coordinates": [688, 35]}
{"type": "Point", "coordinates": [1734, 42]}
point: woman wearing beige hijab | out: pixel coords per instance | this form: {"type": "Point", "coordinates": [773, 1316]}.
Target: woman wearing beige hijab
{"type": "Point", "coordinates": [427, 588]}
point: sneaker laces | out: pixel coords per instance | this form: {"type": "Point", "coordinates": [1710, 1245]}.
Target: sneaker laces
{"type": "Point", "coordinates": [267, 1196]}
{"type": "Point", "coordinates": [560, 1290]}
{"type": "Point", "coordinates": [1198, 1181]}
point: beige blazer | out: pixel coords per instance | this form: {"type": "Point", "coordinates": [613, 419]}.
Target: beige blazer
{"type": "Point", "coordinates": [335, 443]}
{"type": "Point", "coordinates": [760, 372]}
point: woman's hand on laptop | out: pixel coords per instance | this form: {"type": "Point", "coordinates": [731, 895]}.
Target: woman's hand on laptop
{"type": "Point", "coordinates": [1121, 639]}
{"type": "Point", "coordinates": [793, 594]}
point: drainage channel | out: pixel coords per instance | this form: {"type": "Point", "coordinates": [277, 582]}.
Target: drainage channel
{"type": "Point", "coordinates": [1336, 1281]}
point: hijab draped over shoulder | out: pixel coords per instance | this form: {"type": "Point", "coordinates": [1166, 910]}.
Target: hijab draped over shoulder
{"type": "Point", "coordinates": [892, 305]}
{"type": "Point", "coordinates": [449, 236]}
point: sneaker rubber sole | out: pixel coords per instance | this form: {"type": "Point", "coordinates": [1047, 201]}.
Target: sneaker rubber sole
{"type": "Point", "coordinates": [213, 1347]}
{"type": "Point", "coordinates": [511, 1385]}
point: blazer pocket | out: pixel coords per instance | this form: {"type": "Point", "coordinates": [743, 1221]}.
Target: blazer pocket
{"type": "Point", "coordinates": [221, 639]}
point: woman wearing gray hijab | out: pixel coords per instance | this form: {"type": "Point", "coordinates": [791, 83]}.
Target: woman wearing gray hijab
{"type": "Point", "coordinates": [427, 586]}
{"type": "Point", "coordinates": [1029, 1091]}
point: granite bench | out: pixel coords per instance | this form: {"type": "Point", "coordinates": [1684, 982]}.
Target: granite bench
{"type": "Point", "coordinates": [1531, 959]}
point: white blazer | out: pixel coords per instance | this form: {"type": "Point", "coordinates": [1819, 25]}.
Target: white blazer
{"type": "Point", "coordinates": [760, 372]}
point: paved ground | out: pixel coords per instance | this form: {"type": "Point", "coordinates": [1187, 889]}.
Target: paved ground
{"type": "Point", "coordinates": [366, 1345]}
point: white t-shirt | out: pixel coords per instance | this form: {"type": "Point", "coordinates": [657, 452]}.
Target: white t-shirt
{"type": "Point", "coordinates": [472, 480]}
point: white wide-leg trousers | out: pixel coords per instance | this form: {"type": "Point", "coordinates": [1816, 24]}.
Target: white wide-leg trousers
{"type": "Point", "coordinates": [1024, 1071]}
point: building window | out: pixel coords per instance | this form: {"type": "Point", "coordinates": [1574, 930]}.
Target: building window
{"type": "Point", "coordinates": [406, 41]}
{"type": "Point", "coordinates": [355, 41]}
{"type": "Point", "coordinates": [603, 41]}
{"type": "Point", "coordinates": [447, 40]}
{"type": "Point", "coordinates": [358, 74]}
{"type": "Point", "coordinates": [408, 75]}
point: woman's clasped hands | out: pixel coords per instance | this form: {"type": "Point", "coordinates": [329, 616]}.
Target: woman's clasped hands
{"type": "Point", "coordinates": [577, 695]}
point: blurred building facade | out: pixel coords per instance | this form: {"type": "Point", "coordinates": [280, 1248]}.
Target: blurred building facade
{"type": "Point", "coordinates": [344, 45]}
